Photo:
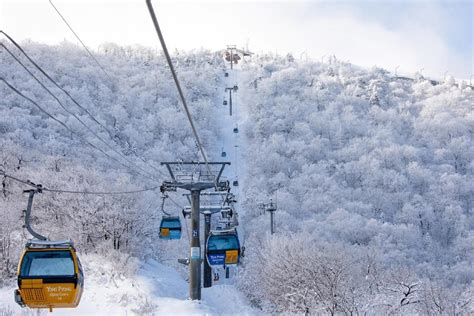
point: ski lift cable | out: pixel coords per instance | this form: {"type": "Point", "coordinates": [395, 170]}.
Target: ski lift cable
{"type": "Point", "coordinates": [27, 182]}
{"type": "Point", "coordinates": [178, 86]}
{"type": "Point", "coordinates": [69, 112]}
{"type": "Point", "coordinates": [102, 192]}
{"type": "Point", "coordinates": [74, 132]}
{"type": "Point", "coordinates": [79, 39]}
{"type": "Point", "coordinates": [175, 203]}
{"type": "Point", "coordinates": [111, 136]}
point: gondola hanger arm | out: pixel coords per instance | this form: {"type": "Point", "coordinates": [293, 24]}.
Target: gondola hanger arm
{"type": "Point", "coordinates": [31, 195]}
{"type": "Point", "coordinates": [163, 197]}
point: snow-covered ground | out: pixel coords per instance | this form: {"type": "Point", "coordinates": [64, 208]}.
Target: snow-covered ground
{"type": "Point", "coordinates": [155, 289]}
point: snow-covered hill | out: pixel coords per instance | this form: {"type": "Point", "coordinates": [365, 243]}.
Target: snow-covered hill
{"type": "Point", "coordinates": [373, 176]}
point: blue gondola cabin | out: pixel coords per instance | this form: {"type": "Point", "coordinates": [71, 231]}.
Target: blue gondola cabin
{"type": "Point", "coordinates": [223, 248]}
{"type": "Point", "coordinates": [170, 227]}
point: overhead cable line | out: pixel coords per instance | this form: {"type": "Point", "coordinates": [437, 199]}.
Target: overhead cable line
{"type": "Point", "coordinates": [178, 86]}
{"type": "Point", "coordinates": [74, 132]}
{"type": "Point", "coordinates": [27, 182]}
{"type": "Point", "coordinates": [111, 136]}
{"type": "Point", "coordinates": [175, 203]}
{"type": "Point", "coordinates": [79, 39]}
{"type": "Point", "coordinates": [69, 112]}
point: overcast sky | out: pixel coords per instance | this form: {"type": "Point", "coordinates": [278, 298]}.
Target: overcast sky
{"type": "Point", "coordinates": [434, 37]}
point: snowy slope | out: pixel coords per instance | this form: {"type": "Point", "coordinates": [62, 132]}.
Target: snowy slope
{"type": "Point", "coordinates": [372, 172]}
{"type": "Point", "coordinates": [140, 113]}
{"type": "Point", "coordinates": [153, 289]}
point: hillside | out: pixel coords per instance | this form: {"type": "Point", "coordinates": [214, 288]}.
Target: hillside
{"type": "Point", "coordinates": [372, 175]}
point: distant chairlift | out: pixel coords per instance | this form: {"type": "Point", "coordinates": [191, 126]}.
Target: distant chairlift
{"type": "Point", "coordinates": [224, 102]}
{"type": "Point", "coordinates": [235, 57]}
{"type": "Point", "coordinates": [223, 248]}
{"type": "Point", "coordinates": [223, 153]}
{"type": "Point", "coordinates": [236, 130]}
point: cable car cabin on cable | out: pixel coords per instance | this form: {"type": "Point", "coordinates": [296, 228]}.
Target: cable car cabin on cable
{"type": "Point", "coordinates": [223, 248]}
{"type": "Point", "coordinates": [235, 57]}
{"type": "Point", "coordinates": [170, 227]}
{"type": "Point", "coordinates": [49, 275]}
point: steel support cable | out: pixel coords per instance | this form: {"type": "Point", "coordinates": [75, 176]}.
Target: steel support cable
{"type": "Point", "coordinates": [175, 203]}
{"type": "Point", "coordinates": [74, 132]}
{"type": "Point", "coordinates": [71, 113]}
{"type": "Point", "coordinates": [178, 86]}
{"type": "Point", "coordinates": [74, 100]}
{"type": "Point", "coordinates": [82, 43]}
{"type": "Point", "coordinates": [101, 193]}
{"type": "Point", "coordinates": [76, 192]}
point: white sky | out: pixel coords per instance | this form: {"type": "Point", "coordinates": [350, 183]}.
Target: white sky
{"type": "Point", "coordinates": [414, 35]}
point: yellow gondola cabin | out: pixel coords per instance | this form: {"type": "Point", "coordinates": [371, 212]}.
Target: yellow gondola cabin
{"type": "Point", "coordinates": [49, 275]}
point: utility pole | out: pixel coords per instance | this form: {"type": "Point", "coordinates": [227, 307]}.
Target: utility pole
{"type": "Point", "coordinates": [232, 89]}
{"type": "Point", "coordinates": [195, 182]}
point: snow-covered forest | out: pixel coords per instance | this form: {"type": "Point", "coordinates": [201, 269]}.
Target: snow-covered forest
{"type": "Point", "coordinates": [373, 177]}
{"type": "Point", "coordinates": [372, 174]}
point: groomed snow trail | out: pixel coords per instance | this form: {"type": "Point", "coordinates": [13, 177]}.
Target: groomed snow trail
{"type": "Point", "coordinates": [155, 289]}
{"type": "Point", "coordinates": [233, 145]}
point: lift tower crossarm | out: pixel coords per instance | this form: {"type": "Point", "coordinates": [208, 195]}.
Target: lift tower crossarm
{"type": "Point", "coordinates": [211, 208]}
{"type": "Point", "coordinates": [203, 182]}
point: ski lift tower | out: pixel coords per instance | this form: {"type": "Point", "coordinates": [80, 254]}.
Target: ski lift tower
{"type": "Point", "coordinates": [231, 89]}
{"type": "Point", "coordinates": [208, 211]}
{"type": "Point", "coordinates": [231, 48]}
{"type": "Point", "coordinates": [195, 177]}
{"type": "Point", "coordinates": [270, 207]}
